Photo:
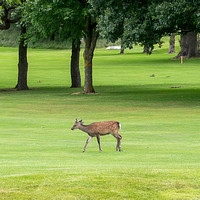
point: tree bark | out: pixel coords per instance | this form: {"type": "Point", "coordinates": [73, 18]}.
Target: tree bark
{"type": "Point", "coordinates": [90, 43]}
{"type": "Point", "coordinates": [75, 72]}
{"type": "Point", "coordinates": [52, 38]}
{"type": "Point", "coordinates": [23, 64]}
{"type": "Point", "coordinates": [188, 45]}
{"type": "Point", "coordinates": [122, 47]}
{"type": "Point", "coordinates": [146, 49]}
{"type": "Point", "coordinates": [192, 43]}
{"type": "Point", "coordinates": [198, 42]}
{"type": "Point", "coordinates": [172, 44]}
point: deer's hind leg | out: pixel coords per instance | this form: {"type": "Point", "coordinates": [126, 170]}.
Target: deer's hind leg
{"type": "Point", "coordinates": [98, 140]}
{"type": "Point", "coordinates": [119, 138]}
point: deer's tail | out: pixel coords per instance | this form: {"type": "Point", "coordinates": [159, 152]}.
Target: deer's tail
{"type": "Point", "coordinates": [120, 126]}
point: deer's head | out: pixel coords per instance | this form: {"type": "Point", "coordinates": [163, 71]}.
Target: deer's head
{"type": "Point", "coordinates": [77, 124]}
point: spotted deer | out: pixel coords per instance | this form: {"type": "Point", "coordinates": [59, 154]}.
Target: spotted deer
{"type": "Point", "coordinates": [98, 129]}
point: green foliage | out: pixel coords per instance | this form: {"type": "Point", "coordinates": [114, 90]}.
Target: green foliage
{"type": "Point", "coordinates": [176, 15]}
{"type": "Point", "coordinates": [41, 158]}
{"type": "Point", "coordinates": [14, 1]}
{"type": "Point", "coordinates": [146, 22]}
{"type": "Point", "coordinates": [128, 20]}
{"type": "Point", "coordinates": [65, 18]}
{"type": "Point", "coordinates": [112, 18]}
{"type": "Point", "coordinates": [135, 22]}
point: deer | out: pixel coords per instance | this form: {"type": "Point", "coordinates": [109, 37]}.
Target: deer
{"type": "Point", "coordinates": [98, 129]}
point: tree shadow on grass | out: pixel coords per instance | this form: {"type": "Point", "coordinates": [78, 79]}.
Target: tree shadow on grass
{"type": "Point", "coordinates": [149, 95]}
{"type": "Point", "coordinates": [153, 94]}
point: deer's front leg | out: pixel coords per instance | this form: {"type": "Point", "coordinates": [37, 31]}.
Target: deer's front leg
{"type": "Point", "coordinates": [88, 140]}
{"type": "Point", "coordinates": [98, 140]}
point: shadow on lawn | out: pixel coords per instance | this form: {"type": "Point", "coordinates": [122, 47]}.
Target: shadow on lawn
{"type": "Point", "coordinates": [148, 94]}
{"type": "Point", "coordinates": [153, 94]}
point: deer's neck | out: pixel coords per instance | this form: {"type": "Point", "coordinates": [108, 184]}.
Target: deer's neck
{"type": "Point", "coordinates": [84, 128]}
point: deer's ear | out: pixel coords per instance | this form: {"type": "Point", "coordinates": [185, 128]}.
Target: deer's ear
{"type": "Point", "coordinates": [81, 121]}
{"type": "Point", "coordinates": [76, 120]}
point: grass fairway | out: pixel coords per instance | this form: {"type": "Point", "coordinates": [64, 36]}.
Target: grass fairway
{"type": "Point", "coordinates": [156, 100]}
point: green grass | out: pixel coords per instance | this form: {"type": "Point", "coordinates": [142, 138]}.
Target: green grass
{"type": "Point", "coordinates": [41, 158]}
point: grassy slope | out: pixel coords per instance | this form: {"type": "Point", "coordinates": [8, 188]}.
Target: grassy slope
{"type": "Point", "coordinates": [40, 157]}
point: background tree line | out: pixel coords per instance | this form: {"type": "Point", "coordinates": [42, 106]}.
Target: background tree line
{"type": "Point", "coordinates": [134, 22]}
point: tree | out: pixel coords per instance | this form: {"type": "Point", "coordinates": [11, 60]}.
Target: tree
{"type": "Point", "coordinates": [111, 21]}
{"type": "Point", "coordinates": [6, 9]}
{"type": "Point", "coordinates": [74, 18]}
{"type": "Point", "coordinates": [91, 36]}
{"type": "Point", "coordinates": [145, 49]}
{"type": "Point", "coordinates": [146, 22]}
{"type": "Point", "coordinates": [57, 17]}
{"type": "Point", "coordinates": [188, 45]}
{"type": "Point", "coordinates": [198, 40]}
{"type": "Point", "coordinates": [23, 63]}
{"type": "Point", "coordinates": [183, 17]}
{"type": "Point", "coordinates": [172, 43]}
{"type": "Point", "coordinates": [75, 71]}
{"type": "Point", "coordinates": [128, 20]}
{"type": "Point", "coordinates": [122, 47]}
{"type": "Point", "coordinates": [10, 8]}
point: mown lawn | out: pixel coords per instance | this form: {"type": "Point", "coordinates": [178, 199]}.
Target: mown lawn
{"type": "Point", "coordinates": [157, 101]}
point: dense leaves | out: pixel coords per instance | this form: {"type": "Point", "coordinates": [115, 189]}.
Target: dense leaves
{"type": "Point", "coordinates": [146, 22]}
{"type": "Point", "coordinates": [172, 16]}
{"type": "Point", "coordinates": [65, 18]}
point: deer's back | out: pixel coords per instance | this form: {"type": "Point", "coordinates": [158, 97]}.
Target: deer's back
{"type": "Point", "coordinates": [104, 128]}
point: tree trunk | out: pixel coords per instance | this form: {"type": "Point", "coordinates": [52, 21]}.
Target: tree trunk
{"type": "Point", "coordinates": [188, 45]}
{"type": "Point", "coordinates": [192, 43]}
{"type": "Point", "coordinates": [172, 44]}
{"type": "Point", "coordinates": [52, 38]}
{"type": "Point", "coordinates": [146, 49]}
{"type": "Point", "coordinates": [23, 64]}
{"type": "Point", "coordinates": [198, 42]}
{"type": "Point", "coordinates": [75, 72]}
{"type": "Point", "coordinates": [90, 43]}
{"type": "Point", "coordinates": [122, 47]}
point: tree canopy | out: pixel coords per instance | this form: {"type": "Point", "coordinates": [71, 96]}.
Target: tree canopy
{"type": "Point", "coordinates": [146, 22]}
{"type": "Point", "coordinates": [55, 16]}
